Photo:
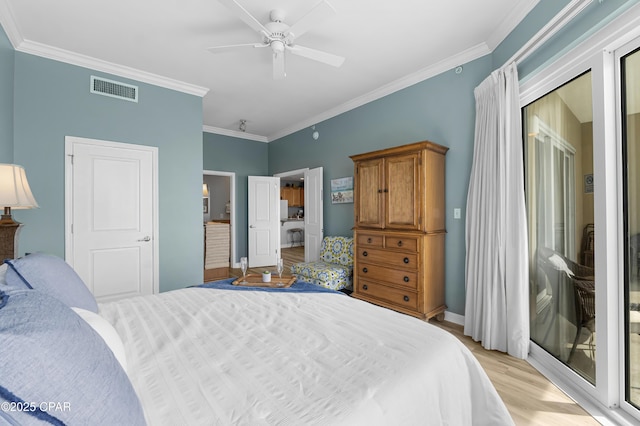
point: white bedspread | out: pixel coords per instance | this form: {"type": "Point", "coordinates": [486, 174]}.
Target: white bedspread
{"type": "Point", "coordinates": [201, 356]}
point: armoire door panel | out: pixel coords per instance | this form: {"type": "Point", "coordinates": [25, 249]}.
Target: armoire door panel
{"type": "Point", "coordinates": [369, 185]}
{"type": "Point", "coordinates": [401, 186]}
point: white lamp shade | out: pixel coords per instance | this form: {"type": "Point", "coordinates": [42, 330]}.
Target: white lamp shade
{"type": "Point", "coordinates": [205, 190]}
{"type": "Point", "coordinates": [14, 188]}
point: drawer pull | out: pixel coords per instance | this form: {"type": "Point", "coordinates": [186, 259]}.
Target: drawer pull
{"type": "Point", "coordinates": [365, 254]}
{"type": "Point", "coordinates": [406, 260]}
{"type": "Point", "coordinates": [365, 287]}
{"type": "Point", "coordinates": [400, 243]}
{"type": "Point", "coordinates": [406, 298]}
{"type": "Point", "coordinates": [379, 191]}
{"type": "Point", "coordinates": [386, 190]}
{"type": "Point", "coordinates": [365, 270]}
{"type": "Point", "coordinates": [406, 279]}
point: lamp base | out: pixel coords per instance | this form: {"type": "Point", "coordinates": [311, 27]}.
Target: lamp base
{"type": "Point", "coordinates": [9, 240]}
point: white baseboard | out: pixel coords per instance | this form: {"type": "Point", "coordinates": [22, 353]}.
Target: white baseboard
{"type": "Point", "coordinates": [454, 318]}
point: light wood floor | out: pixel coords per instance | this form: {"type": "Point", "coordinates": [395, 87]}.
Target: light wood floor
{"type": "Point", "coordinates": [529, 396]}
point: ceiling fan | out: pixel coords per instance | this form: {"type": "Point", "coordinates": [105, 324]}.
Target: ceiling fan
{"type": "Point", "coordinates": [280, 37]}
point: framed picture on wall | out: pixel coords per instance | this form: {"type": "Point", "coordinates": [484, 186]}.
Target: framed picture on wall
{"type": "Point", "coordinates": [588, 183]}
{"type": "Point", "coordinates": [342, 190]}
{"type": "Point", "coordinates": [205, 205]}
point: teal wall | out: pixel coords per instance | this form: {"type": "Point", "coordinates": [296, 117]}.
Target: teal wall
{"type": "Point", "coordinates": [244, 158]}
{"type": "Point", "coordinates": [6, 98]}
{"type": "Point", "coordinates": [42, 101]}
{"type": "Point", "coordinates": [591, 19]}
{"type": "Point", "coordinates": [52, 100]}
{"type": "Point", "coordinates": [528, 27]}
{"type": "Point", "coordinates": [440, 109]}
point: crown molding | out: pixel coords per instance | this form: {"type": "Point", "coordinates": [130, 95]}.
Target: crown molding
{"type": "Point", "coordinates": [66, 56]}
{"type": "Point", "coordinates": [10, 25]}
{"type": "Point", "coordinates": [468, 55]}
{"type": "Point", "coordinates": [510, 23]}
{"type": "Point", "coordinates": [558, 22]}
{"type": "Point", "coordinates": [234, 133]}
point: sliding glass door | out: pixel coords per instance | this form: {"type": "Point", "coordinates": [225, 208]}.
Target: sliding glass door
{"type": "Point", "coordinates": [630, 95]}
{"type": "Point", "coordinates": [581, 136]}
{"type": "Point", "coordinates": [559, 193]}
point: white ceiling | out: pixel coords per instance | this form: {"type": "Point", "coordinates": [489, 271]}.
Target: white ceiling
{"type": "Point", "coordinates": [388, 45]}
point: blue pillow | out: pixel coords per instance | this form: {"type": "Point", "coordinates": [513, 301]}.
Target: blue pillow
{"type": "Point", "coordinates": [52, 275]}
{"type": "Point", "coordinates": [53, 363]}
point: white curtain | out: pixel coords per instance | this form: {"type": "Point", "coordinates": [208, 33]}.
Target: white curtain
{"type": "Point", "coordinates": [496, 274]}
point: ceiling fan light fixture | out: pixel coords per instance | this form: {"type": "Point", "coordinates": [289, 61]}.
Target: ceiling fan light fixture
{"type": "Point", "coordinates": [280, 36]}
{"type": "Point", "coordinates": [277, 46]}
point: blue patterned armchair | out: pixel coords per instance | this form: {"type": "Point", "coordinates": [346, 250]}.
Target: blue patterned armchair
{"type": "Point", "coordinates": [334, 270]}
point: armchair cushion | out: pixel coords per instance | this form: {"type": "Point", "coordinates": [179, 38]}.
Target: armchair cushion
{"type": "Point", "coordinates": [337, 250]}
{"type": "Point", "coordinates": [334, 270]}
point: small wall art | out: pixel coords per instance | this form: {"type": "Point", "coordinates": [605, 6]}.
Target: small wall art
{"type": "Point", "coordinates": [342, 190]}
{"type": "Point", "coordinates": [588, 183]}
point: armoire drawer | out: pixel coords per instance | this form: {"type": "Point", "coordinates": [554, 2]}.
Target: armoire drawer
{"type": "Point", "coordinates": [369, 240]}
{"type": "Point", "coordinates": [407, 299]}
{"type": "Point", "coordinates": [387, 257]}
{"type": "Point", "coordinates": [408, 279]}
{"type": "Point", "coordinates": [401, 243]}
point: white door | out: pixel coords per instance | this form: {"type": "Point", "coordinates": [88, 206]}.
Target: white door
{"type": "Point", "coordinates": [264, 221]}
{"type": "Point", "coordinates": [110, 216]}
{"type": "Point", "coordinates": [313, 219]}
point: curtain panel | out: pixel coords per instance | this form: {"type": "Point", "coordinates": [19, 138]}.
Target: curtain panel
{"type": "Point", "coordinates": [496, 270]}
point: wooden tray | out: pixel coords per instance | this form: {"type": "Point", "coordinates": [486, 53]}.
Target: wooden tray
{"type": "Point", "coordinates": [255, 280]}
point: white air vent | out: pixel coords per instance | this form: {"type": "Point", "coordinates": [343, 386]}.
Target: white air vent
{"type": "Point", "coordinates": [114, 89]}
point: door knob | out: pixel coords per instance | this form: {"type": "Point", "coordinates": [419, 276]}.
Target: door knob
{"type": "Point", "coordinates": [251, 226]}
{"type": "Point", "coordinates": [145, 239]}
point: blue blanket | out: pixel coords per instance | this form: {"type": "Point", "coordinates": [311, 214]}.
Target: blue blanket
{"type": "Point", "coordinates": [297, 287]}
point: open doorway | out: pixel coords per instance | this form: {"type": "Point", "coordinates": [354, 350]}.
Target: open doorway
{"type": "Point", "coordinates": [291, 208]}
{"type": "Point", "coordinates": [302, 224]}
{"type": "Point", "coordinates": [218, 214]}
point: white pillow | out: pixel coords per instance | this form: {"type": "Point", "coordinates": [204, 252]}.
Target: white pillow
{"type": "Point", "coordinates": [107, 332]}
{"type": "Point", "coordinates": [560, 264]}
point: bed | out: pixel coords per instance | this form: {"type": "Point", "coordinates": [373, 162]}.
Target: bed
{"type": "Point", "coordinates": [222, 355]}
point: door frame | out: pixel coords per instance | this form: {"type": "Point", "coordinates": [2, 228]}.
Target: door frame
{"type": "Point", "coordinates": [69, 142]}
{"type": "Point", "coordinates": [232, 201]}
{"type": "Point", "coordinates": [291, 173]}
{"type": "Point", "coordinates": [320, 201]}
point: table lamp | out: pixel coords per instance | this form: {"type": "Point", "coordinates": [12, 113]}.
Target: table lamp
{"type": "Point", "coordinates": [14, 193]}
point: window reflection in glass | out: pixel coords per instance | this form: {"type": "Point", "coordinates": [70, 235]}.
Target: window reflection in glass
{"type": "Point", "coordinates": [630, 67]}
{"type": "Point", "coordinates": [559, 190]}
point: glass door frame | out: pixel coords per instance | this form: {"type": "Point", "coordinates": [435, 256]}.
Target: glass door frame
{"type": "Point", "coordinates": [598, 55]}
{"type": "Point", "coordinates": [619, 53]}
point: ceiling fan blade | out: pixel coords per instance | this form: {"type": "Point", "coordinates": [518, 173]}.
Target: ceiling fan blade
{"type": "Point", "coordinates": [317, 55]}
{"type": "Point", "coordinates": [318, 13]}
{"type": "Point", "coordinates": [243, 14]}
{"type": "Point", "coordinates": [278, 66]}
{"type": "Point", "coordinates": [217, 49]}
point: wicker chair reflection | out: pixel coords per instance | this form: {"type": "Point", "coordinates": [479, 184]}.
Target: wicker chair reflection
{"type": "Point", "coordinates": [585, 298]}
{"type": "Point", "coordinates": [634, 254]}
{"type": "Point", "coordinates": [561, 275]}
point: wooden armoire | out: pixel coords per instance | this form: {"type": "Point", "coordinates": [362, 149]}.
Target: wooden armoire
{"type": "Point", "coordinates": [399, 230]}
